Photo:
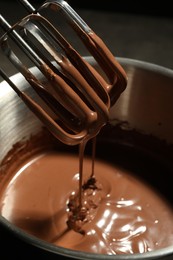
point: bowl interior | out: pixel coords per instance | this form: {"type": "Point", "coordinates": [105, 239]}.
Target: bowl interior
{"type": "Point", "coordinates": [140, 134]}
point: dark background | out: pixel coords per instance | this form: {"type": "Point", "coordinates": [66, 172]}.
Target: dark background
{"type": "Point", "coordinates": [157, 8]}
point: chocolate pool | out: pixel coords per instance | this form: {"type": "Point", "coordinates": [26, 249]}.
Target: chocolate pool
{"type": "Point", "coordinates": [127, 202]}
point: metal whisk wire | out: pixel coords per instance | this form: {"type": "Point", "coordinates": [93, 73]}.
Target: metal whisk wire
{"type": "Point", "coordinates": [77, 94]}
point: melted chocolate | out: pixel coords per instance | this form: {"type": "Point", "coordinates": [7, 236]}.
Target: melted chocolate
{"type": "Point", "coordinates": [120, 213]}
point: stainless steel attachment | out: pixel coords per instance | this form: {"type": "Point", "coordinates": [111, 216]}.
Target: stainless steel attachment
{"type": "Point", "coordinates": [73, 97]}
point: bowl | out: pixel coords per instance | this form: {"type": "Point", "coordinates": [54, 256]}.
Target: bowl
{"type": "Point", "coordinates": [140, 128]}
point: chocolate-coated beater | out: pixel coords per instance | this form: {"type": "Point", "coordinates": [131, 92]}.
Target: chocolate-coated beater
{"type": "Point", "coordinates": [75, 97]}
